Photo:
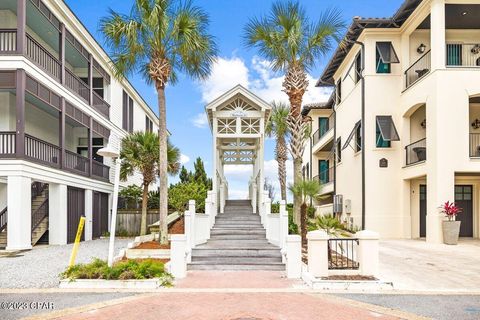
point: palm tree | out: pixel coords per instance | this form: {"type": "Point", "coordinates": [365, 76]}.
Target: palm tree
{"type": "Point", "coordinates": [305, 189]}
{"type": "Point", "coordinates": [160, 39]}
{"type": "Point", "coordinates": [139, 153]}
{"type": "Point", "coordinates": [292, 44]}
{"type": "Point", "coordinates": [277, 127]}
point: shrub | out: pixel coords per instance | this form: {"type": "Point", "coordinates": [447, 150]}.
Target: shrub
{"type": "Point", "coordinates": [292, 226]}
{"type": "Point", "coordinates": [276, 207]}
{"type": "Point", "coordinates": [330, 224]}
{"type": "Point", "coordinates": [132, 197]}
{"type": "Point", "coordinates": [181, 193]}
{"type": "Point", "coordinates": [123, 270]}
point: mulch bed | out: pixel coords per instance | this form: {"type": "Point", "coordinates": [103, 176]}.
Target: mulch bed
{"type": "Point", "coordinates": [152, 245]}
{"type": "Point", "coordinates": [178, 227]}
{"type": "Point", "coordinates": [350, 278]}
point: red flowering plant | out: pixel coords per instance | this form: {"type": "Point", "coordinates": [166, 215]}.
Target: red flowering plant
{"type": "Point", "coordinates": [450, 209]}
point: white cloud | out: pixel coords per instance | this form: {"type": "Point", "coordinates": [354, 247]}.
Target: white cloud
{"type": "Point", "coordinates": [226, 74]}
{"type": "Point", "coordinates": [200, 120]}
{"type": "Point", "coordinates": [271, 173]}
{"type": "Point", "coordinates": [184, 158]}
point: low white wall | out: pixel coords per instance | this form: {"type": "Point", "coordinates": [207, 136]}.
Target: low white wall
{"type": "Point", "coordinates": [272, 223]}
{"type": "Point", "coordinates": [202, 228]}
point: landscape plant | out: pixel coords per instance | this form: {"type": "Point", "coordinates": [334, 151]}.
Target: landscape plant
{"type": "Point", "coordinates": [160, 39]}
{"type": "Point", "coordinates": [181, 193]}
{"type": "Point", "coordinates": [292, 44]}
{"type": "Point", "coordinates": [305, 189]}
{"type": "Point", "coordinates": [451, 210]}
{"type": "Point", "coordinates": [139, 153]}
{"type": "Point", "coordinates": [122, 270]}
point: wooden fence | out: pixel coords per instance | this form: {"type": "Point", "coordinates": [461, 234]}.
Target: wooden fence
{"type": "Point", "coordinates": [128, 220]}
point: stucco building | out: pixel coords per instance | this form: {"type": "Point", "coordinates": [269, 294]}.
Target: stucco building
{"type": "Point", "coordinates": [401, 134]}
{"type": "Point", "coordinates": [59, 104]}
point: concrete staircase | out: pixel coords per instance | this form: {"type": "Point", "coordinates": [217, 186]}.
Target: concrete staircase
{"type": "Point", "coordinates": [237, 242]}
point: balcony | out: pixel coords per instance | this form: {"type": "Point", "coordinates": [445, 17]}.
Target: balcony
{"type": "Point", "coordinates": [416, 152]}
{"type": "Point", "coordinates": [463, 55]}
{"type": "Point", "coordinates": [323, 135]}
{"type": "Point", "coordinates": [51, 47]}
{"type": "Point", "coordinates": [418, 70]}
{"type": "Point", "coordinates": [326, 179]}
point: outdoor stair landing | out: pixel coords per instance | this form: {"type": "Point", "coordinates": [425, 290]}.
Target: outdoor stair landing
{"type": "Point", "coordinates": [237, 242]}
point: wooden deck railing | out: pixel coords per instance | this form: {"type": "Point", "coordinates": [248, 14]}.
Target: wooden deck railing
{"type": "Point", "coordinates": [100, 105]}
{"type": "Point", "coordinates": [77, 163]}
{"type": "Point", "coordinates": [7, 144]}
{"type": "Point", "coordinates": [42, 151]}
{"type": "Point", "coordinates": [77, 86]}
{"type": "Point", "coordinates": [3, 219]}
{"type": "Point", "coordinates": [8, 40]}
{"type": "Point", "coordinates": [39, 214]}
{"type": "Point", "coordinates": [44, 59]}
{"type": "Point", "coordinates": [100, 170]}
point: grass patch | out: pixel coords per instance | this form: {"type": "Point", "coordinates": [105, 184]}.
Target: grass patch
{"type": "Point", "coordinates": [122, 270]}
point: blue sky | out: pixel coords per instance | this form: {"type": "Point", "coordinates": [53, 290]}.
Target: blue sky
{"type": "Point", "coordinates": [236, 64]}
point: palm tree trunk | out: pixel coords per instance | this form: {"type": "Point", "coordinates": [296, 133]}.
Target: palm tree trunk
{"type": "Point", "coordinates": [303, 228]}
{"type": "Point", "coordinates": [143, 224]}
{"type": "Point", "coordinates": [163, 163]}
{"type": "Point", "coordinates": [297, 199]}
{"type": "Point", "coordinates": [281, 154]}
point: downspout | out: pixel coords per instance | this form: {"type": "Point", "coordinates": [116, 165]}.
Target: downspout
{"type": "Point", "coordinates": [311, 159]}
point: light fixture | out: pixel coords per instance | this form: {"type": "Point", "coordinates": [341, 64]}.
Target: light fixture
{"type": "Point", "coordinates": [464, 13]}
{"type": "Point", "coordinates": [421, 48]}
{"type": "Point", "coordinates": [423, 124]}
{"type": "Point", "coordinates": [108, 152]}
{"type": "Point", "coordinates": [476, 124]}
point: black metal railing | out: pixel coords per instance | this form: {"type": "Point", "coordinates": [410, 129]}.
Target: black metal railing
{"type": "Point", "coordinates": [3, 219]}
{"type": "Point", "coordinates": [463, 55]}
{"type": "Point", "coordinates": [38, 188]}
{"type": "Point", "coordinates": [39, 214]}
{"type": "Point", "coordinates": [7, 143]}
{"type": "Point", "coordinates": [42, 151]}
{"type": "Point", "coordinates": [321, 132]}
{"type": "Point", "coordinates": [416, 152]}
{"type": "Point", "coordinates": [77, 86]}
{"type": "Point", "coordinates": [8, 40]}
{"type": "Point", "coordinates": [474, 145]}
{"type": "Point", "coordinates": [44, 59]}
{"type": "Point", "coordinates": [418, 70]}
{"type": "Point", "coordinates": [325, 176]}
{"type": "Point", "coordinates": [342, 254]}
{"type": "Point", "coordinates": [77, 163]}
{"type": "Point", "coordinates": [100, 170]}
{"type": "Point", "coordinates": [100, 105]}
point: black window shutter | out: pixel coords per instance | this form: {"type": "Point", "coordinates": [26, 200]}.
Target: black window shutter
{"type": "Point", "coordinates": [130, 115]}
{"type": "Point", "coordinates": [125, 111]}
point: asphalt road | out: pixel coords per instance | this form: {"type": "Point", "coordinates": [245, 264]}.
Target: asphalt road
{"type": "Point", "coordinates": [440, 307]}
{"type": "Point", "coordinates": [17, 306]}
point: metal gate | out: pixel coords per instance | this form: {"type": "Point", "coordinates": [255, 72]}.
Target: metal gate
{"type": "Point", "coordinates": [100, 214]}
{"type": "Point", "coordinates": [76, 209]}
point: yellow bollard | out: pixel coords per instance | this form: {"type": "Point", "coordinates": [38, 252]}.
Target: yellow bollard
{"type": "Point", "coordinates": [73, 256]}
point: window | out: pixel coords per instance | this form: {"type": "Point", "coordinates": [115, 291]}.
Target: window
{"type": "Point", "coordinates": [98, 87]}
{"type": "Point", "coordinates": [127, 112]}
{"type": "Point", "coordinates": [339, 91]}
{"type": "Point", "coordinates": [324, 174]}
{"type": "Point", "coordinates": [350, 136]}
{"type": "Point", "coordinates": [380, 142]}
{"type": "Point", "coordinates": [358, 137]}
{"type": "Point", "coordinates": [339, 150]}
{"type": "Point", "coordinates": [148, 124]}
{"type": "Point", "coordinates": [385, 56]}
{"type": "Point", "coordinates": [358, 67]}
{"type": "Point", "coordinates": [385, 132]}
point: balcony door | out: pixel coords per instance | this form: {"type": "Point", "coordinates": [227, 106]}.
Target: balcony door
{"type": "Point", "coordinates": [322, 126]}
{"type": "Point", "coordinates": [423, 211]}
{"type": "Point", "coordinates": [323, 166]}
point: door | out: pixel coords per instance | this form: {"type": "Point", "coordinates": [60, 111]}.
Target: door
{"type": "Point", "coordinates": [323, 171]}
{"type": "Point", "coordinates": [423, 210]}
{"type": "Point", "coordinates": [322, 126]}
{"type": "Point", "coordinates": [99, 214]}
{"type": "Point", "coordinates": [76, 209]}
{"type": "Point", "coordinates": [464, 199]}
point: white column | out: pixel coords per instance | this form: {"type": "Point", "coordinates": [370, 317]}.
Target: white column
{"type": "Point", "coordinates": [222, 197]}
{"type": "Point", "coordinates": [283, 224]}
{"type": "Point", "coordinates": [437, 34]}
{"type": "Point", "coordinates": [88, 215]}
{"type": "Point", "coordinates": [254, 197]}
{"type": "Point", "coordinates": [19, 214]}
{"type": "Point", "coordinates": [178, 252]}
{"type": "Point", "coordinates": [57, 214]}
{"type": "Point", "coordinates": [368, 252]}
{"type": "Point", "coordinates": [294, 256]}
{"type": "Point", "coordinates": [318, 253]}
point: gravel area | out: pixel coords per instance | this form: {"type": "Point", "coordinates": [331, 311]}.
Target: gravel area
{"type": "Point", "coordinates": [40, 267]}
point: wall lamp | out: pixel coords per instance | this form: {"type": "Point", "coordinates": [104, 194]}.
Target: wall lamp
{"type": "Point", "coordinates": [421, 48]}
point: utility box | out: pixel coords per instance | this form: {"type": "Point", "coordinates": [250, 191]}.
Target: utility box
{"type": "Point", "coordinates": [348, 206]}
{"type": "Point", "coordinates": [338, 203]}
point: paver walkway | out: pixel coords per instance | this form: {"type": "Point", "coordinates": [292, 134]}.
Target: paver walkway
{"type": "Point", "coordinates": [421, 266]}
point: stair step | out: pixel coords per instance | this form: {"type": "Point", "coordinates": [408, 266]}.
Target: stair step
{"type": "Point", "coordinates": [200, 252]}
{"type": "Point", "coordinates": [236, 260]}
{"type": "Point", "coordinates": [238, 267]}
{"type": "Point", "coordinates": [237, 236]}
